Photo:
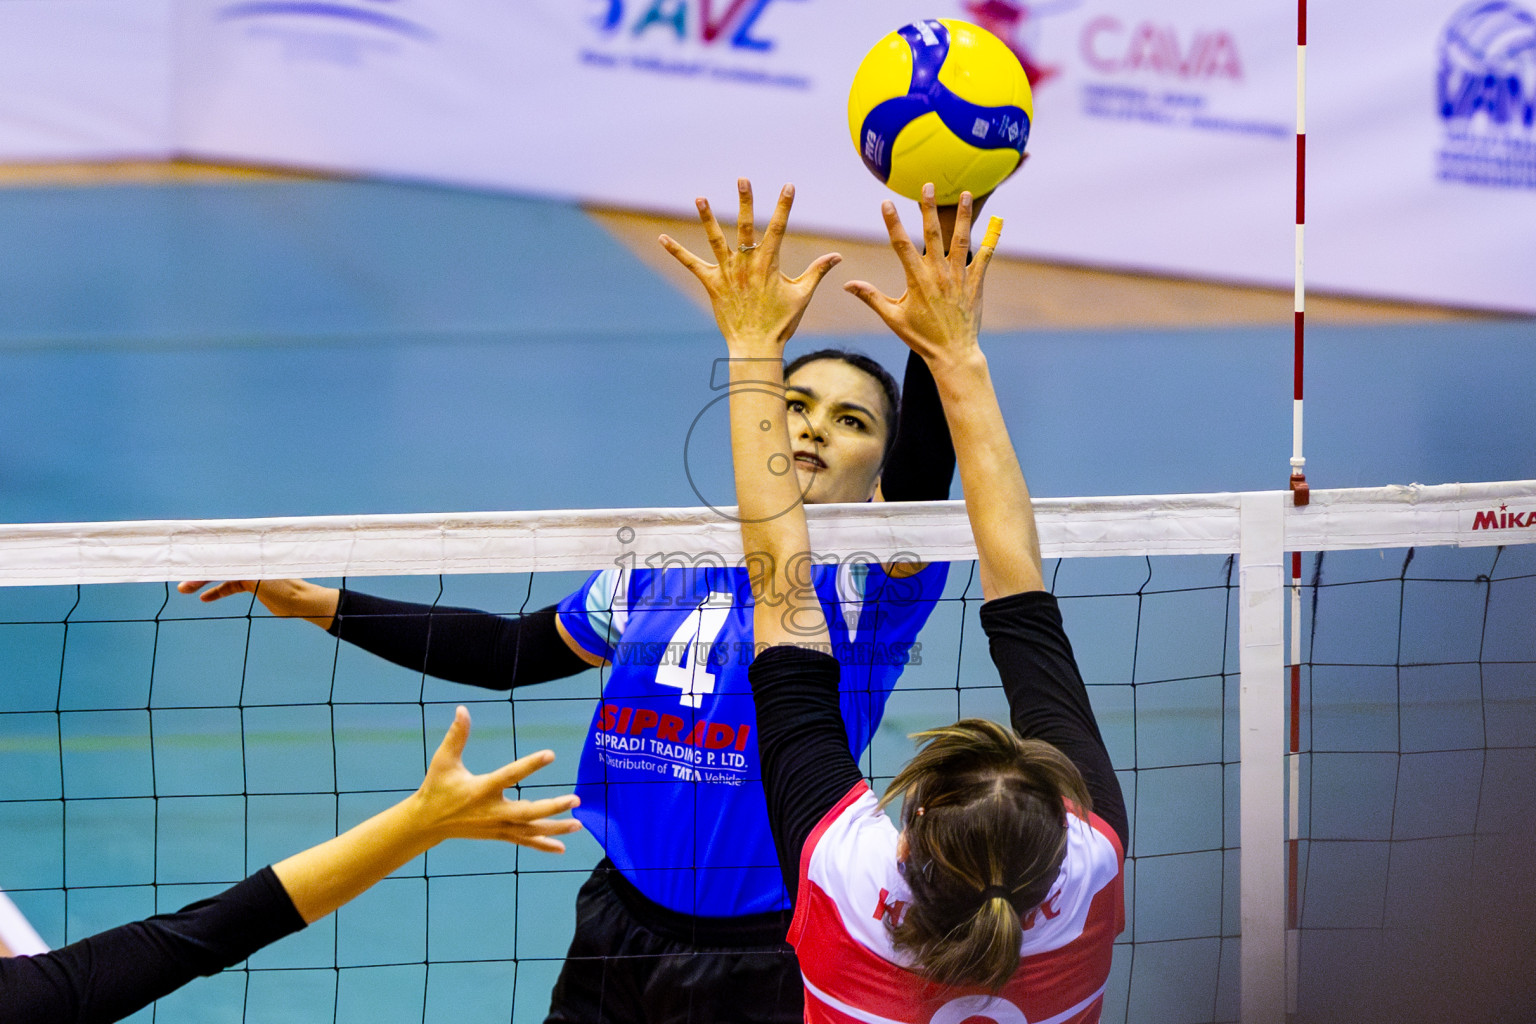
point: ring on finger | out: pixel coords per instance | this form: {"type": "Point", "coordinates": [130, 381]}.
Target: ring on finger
{"type": "Point", "coordinates": [746, 247]}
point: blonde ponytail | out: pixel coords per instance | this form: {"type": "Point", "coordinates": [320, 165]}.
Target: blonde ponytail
{"type": "Point", "coordinates": [985, 823]}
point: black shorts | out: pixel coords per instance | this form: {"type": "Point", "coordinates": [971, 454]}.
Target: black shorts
{"type": "Point", "coordinates": [622, 971]}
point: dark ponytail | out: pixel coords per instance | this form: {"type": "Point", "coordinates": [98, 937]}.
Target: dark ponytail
{"type": "Point", "coordinates": [984, 817]}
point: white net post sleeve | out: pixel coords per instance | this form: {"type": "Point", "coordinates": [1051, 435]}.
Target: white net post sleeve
{"type": "Point", "coordinates": [1261, 721]}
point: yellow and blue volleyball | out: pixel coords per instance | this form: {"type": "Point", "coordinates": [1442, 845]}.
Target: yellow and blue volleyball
{"type": "Point", "coordinates": [942, 101]}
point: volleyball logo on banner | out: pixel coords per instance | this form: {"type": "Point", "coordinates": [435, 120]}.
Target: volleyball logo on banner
{"type": "Point", "coordinates": [1486, 88]}
{"type": "Point", "coordinates": [730, 40]}
{"type": "Point", "coordinates": [334, 32]}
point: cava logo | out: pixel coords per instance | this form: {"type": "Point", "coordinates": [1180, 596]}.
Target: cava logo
{"type": "Point", "coordinates": [1163, 74]}
{"type": "Point", "coordinates": [734, 22]}
{"type": "Point", "coordinates": [1112, 48]}
{"type": "Point", "coordinates": [1503, 519]}
{"type": "Point", "coordinates": [1486, 91]}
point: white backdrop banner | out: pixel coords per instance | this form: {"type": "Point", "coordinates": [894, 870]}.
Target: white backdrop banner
{"type": "Point", "coordinates": [1163, 132]}
{"type": "Point", "coordinates": [1163, 140]}
{"type": "Point", "coordinates": [85, 80]}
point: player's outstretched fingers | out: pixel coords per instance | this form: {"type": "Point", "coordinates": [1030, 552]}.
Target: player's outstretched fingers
{"type": "Point", "coordinates": [744, 228]}
{"type": "Point", "coordinates": [985, 253]}
{"type": "Point", "coordinates": [532, 822]}
{"type": "Point", "coordinates": [885, 307]}
{"type": "Point", "coordinates": [542, 812]}
{"type": "Point", "coordinates": [509, 775]}
{"type": "Point", "coordinates": [518, 834]}
{"type": "Point", "coordinates": [450, 752]}
{"type": "Point", "coordinates": [960, 241]}
{"type": "Point", "coordinates": [695, 265]}
{"type": "Point", "coordinates": [529, 823]}
{"type": "Point", "coordinates": [712, 230]}
{"type": "Point", "coordinates": [773, 236]}
{"type": "Point", "coordinates": [803, 288]}
{"type": "Point", "coordinates": [901, 242]}
{"type": "Point", "coordinates": [933, 233]}
{"type": "Point", "coordinates": [225, 589]}
{"type": "Point", "coordinates": [818, 269]}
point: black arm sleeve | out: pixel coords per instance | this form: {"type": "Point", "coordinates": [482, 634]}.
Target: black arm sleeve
{"type": "Point", "coordinates": [1046, 695]}
{"type": "Point", "coordinates": [111, 975]}
{"type": "Point", "coordinates": [922, 462]}
{"type": "Point", "coordinates": [460, 645]}
{"type": "Point", "coordinates": [802, 744]}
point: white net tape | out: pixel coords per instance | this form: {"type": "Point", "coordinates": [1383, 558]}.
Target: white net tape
{"type": "Point", "coordinates": [465, 543]}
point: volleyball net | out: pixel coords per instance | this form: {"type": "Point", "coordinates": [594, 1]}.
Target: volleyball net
{"type": "Point", "coordinates": [1327, 779]}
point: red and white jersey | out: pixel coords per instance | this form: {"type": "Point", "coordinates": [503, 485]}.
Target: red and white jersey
{"type": "Point", "coordinates": [849, 883]}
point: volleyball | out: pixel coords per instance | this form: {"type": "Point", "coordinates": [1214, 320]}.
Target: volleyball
{"type": "Point", "coordinates": [942, 101]}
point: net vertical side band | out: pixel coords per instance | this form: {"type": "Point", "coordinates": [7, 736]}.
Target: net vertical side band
{"type": "Point", "coordinates": [1261, 778]}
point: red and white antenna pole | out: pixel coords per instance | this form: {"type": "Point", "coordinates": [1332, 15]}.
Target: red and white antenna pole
{"type": "Point", "coordinates": [1298, 463]}
{"type": "Point", "coordinates": [1299, 496]}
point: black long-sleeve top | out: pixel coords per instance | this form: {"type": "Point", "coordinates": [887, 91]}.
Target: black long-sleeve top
{"type": "Point", "coordinates": [110, 975]}
{"type": "Point", "coordinates": [807, 768]}
{"type": "Point", "coordinates": [461, 645]}
{"type": "Point", "coordinates": [921, 465]}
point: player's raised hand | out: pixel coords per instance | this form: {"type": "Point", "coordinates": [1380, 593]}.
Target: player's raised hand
{"type": "Point", "coordinates": [756, 305]}
{"type": "Point", "coordinates": [939, 315]}
{"type": "Point", "coordinates": [286, 599]}
{"type": "Point", "coordinates": [454, 803]}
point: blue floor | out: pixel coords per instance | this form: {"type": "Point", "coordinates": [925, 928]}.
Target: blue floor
{"type": "Point", "coordinates": [523, 419]}
{"type": "Point", "coordinates": [295, 349]}
{"type": "Point", "coordinates": [325, 348]}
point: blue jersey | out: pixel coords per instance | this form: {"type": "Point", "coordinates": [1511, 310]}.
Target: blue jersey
{"type": "Point", "coordinates": [669, 778]}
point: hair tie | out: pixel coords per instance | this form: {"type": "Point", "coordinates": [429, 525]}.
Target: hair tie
{"type": "Point", "coordinates": [996, 892]}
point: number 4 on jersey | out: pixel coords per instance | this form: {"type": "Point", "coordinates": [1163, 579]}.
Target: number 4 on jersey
{"type": "Point", "coordinates": [690, 673]}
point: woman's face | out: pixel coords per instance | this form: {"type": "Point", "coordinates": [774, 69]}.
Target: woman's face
{"type": "Point", "coordinates": [837, 431]}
